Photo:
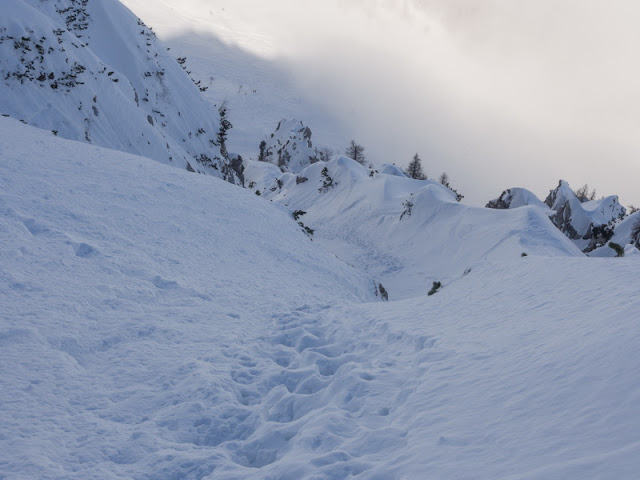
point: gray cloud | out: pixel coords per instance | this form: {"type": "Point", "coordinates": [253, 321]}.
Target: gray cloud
{"type": "Point", "coordinates": [498, 93]}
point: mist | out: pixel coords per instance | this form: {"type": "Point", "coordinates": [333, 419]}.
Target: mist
{"type": "Point", "coordinates": [497, 93]}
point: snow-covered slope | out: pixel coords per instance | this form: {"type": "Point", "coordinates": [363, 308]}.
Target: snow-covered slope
{"type": "Point", "coordinates": [92, 71]}
{"type": "Point", "coordinates": [104, 253]}
{"type": "Point", "coordinates": [160, 325]}
{"type": "Point", "coordinates": [407, 233]}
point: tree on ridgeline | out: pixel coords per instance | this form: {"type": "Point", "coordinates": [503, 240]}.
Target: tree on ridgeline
{"type": "Point", "coordinates": [355, 151]}
{"type": "Point", "coordinates": [414, 170]}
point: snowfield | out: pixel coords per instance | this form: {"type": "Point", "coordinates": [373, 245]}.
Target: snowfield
{"type": "Point", "coordinates": [157, 324]}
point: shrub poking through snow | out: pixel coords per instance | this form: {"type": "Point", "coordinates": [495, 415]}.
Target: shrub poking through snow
{"type": "Point", "coordinates": [408, 205]}
{"type": "Point", "coordinates": [383, 292]}
{"type": "Point", "coordinates": [444, 180]}
{"type": "Point", "coordinates": [297, 214]}
{"type": "Point", "coordinates": [380, 290]}
{"type": "Point", "coordinates": [434, 288]}
{"type": "Point", "coordinates": [524, 254]}
{"type": "Point", "coordinates": [327, 181]}
{"type": "Point", "coordinates": [617, 248]}
{"type": "Point", "coordinates": [305, 229]}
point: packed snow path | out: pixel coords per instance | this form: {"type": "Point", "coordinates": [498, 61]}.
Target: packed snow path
{"type": "Point", "coordinates": [309, 400]}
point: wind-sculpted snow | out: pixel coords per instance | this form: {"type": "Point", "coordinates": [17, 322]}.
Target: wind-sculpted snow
{"type": "Point", "coordinates": [407, 233]}
{"type": "Point", "coordinates": [156, 326]}
{"type": "Point", "coordinates": [93, 72]}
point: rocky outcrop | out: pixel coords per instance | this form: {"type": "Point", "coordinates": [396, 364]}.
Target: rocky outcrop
{"type": "Point", "coordinates": [590, 223]}
{"type": "Point", "coordinates": [289, 147]}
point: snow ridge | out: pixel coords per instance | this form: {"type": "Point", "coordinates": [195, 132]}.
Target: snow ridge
{"type": "Point", "coordinates": [404, 232]}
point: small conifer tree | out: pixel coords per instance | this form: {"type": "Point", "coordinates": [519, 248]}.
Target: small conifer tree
{"type": "Point", "coordinates": [414, 170]}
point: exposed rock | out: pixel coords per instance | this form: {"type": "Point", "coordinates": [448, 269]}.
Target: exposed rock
{"type": "Point", "coordinates": [289, 147]}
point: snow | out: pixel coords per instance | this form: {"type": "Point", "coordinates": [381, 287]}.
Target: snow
{"type": "Point", "coordinates": [364, 220]}
{"type": "Point", "coordinates": [160, 324]}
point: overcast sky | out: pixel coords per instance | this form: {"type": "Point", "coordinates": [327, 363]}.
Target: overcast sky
{"type": "Point", "coordinates": [498, 93]}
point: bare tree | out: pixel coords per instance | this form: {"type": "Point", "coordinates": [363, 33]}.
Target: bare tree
{"type": "Point", "coordinates": [583, 194]}
{"type": "Point", "coordinates": [355, 151]}
{"type": "Point", "coordinates": [324, 154]}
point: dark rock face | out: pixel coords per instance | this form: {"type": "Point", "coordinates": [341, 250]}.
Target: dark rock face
{"type": "Point", "coordinates": [503, 202]}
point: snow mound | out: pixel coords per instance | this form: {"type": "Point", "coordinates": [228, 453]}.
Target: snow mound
{"type": "Point", "coordinates": [388, 169]}
{"type": "Point", "coordinates": [516, 198]}
{"type": "Point", "coordinates": [409, 233]}
{"type": "Point", "coordinates": [93, 72]}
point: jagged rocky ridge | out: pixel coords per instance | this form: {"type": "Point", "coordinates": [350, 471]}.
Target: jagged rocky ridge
{"type": "Point", "coordinates": [92, 71]}
{"type": "Point", "coordinates": [589, 223]}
